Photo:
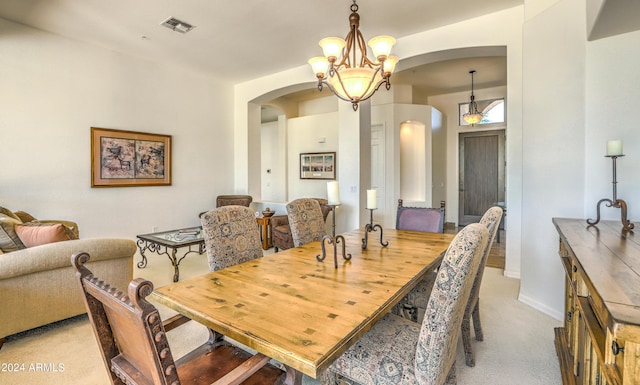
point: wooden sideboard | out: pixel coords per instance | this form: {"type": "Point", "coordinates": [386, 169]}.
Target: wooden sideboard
{"type": "Point", "coordinates": [600, 341]}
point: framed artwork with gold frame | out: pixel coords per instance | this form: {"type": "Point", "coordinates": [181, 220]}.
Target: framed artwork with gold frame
{"type": "Point", "coordinates": [122, 158]}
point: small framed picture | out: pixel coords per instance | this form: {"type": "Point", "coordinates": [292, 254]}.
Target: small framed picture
{"type": "Point", "coordinates": [318, 165]}
{"type": "Point", "coordinates": [128, 158]}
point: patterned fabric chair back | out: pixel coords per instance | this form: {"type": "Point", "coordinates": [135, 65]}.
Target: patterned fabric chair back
{"type": "Point", "coordinates": [231, 236]}
{"type": "Point", "coordinates": [491, 220]}
{"type": "Point", "coordinates": [436, 350]}
{"type": "Point", "coordinates": [420, 219]}
{"type": "Point", "coordinates": [306, 221]}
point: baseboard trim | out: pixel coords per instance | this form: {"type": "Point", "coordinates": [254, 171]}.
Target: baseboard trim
{"type": "Point", "coordinates": [541, 307]}
{"type": "Point", "coordinates": [512, 274]}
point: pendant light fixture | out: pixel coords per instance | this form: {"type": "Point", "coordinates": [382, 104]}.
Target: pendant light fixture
{"type": "Point", "coordinates": [345, 67]}
{"type": "Point", "coordinates": [472, 116]}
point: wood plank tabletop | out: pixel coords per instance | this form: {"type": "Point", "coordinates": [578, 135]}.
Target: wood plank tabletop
{"type": "Point", "coordinates": [610, 258]}
{"type": "Point", "coordinates": [302, 312]}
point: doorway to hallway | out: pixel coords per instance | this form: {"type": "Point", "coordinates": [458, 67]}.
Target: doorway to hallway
{"type": "Point", "coordinates": [482, 173]}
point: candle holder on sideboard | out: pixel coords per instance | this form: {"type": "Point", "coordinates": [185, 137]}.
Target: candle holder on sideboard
{"type": "Point", "coordinates": [333, 240]}
{"type": "Point", "coordinates": [615, 202]}
{"type": "Point", "coordinates": [369, 227]}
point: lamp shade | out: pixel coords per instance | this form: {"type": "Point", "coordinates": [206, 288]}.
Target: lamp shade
{"type": "Point", "coordinates": [319, 65]}
{"type": "Point", "coordinates": [390, 64]}
{"type": "Point", "coordinates": [354, 83]}
{"type": "Point", "coordinates": [381, 46]}
{"type": "Point", "coordinates": [472, 118]}
{"type": "Point", "coordinates": [332, 47]}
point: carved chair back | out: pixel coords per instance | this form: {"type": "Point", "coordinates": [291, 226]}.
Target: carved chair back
{"type": "Point", "coordinates": [134, 346]}
{"type": "Point", "coordinates": [128, 328]}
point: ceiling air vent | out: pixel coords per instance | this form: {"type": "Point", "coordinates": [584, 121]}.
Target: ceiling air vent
{"type": "Point", "coordinates": [177, 25]}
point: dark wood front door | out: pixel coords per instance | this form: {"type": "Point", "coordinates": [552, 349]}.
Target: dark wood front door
{"type": "Point", "coordinates": [482, 168]}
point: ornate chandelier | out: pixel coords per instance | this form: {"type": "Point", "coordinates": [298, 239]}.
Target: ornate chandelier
{"type": "Point", "coordinates": [352, 76]}
{"type": "Point", "coordinates": [472, 116]}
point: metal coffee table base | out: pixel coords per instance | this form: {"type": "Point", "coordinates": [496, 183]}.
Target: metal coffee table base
{"type": "Point", "coordinates": [167, 243]}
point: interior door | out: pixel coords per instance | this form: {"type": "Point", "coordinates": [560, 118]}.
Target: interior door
{"type": "Point", "coordinates": [482, 167]}
{"type": "Point", "coordinates": [377, 169]}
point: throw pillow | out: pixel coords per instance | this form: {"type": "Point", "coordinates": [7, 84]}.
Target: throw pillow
{"type": "Point", "coordinates": [9, 240]}
{"type": "Point", "coordinates": [37, 235]}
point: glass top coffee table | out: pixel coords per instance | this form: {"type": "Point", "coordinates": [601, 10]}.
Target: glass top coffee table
{"type": "Point", "coordinates": [168, 242]}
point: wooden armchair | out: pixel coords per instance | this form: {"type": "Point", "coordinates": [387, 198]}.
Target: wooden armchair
{"type": "Point", "coordinates": [238, 200]}
{"type": "Point", "coordinates": [281, 231]}
{"type": "Point", "coordinates": [134, 345]}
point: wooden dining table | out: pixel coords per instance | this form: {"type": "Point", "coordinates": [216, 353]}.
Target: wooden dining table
{"type": "Point", "coordinates": [302, 312]}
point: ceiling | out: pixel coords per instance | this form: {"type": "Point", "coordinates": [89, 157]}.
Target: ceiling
{"type": "Point", "coordinates": [243, 40]}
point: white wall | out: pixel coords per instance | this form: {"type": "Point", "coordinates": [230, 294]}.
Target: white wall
{"type": "Point", "coordinates": [273, 139]}
{"type": "Point", "coordinates": [553, 145]}
{"type": "Point", "coordinates": [54, 89]}
{"type": "Point", "coordinates": [304, 135]}
{"type": "Point", "coordinates": [612, 93]}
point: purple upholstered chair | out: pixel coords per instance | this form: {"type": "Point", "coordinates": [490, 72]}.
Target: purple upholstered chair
{"type": "Point", "coordinates": [425, 219]}
{"type": "Point", "coordinates": [399, 351]}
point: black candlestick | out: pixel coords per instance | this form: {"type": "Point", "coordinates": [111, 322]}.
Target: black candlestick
{"type": "Point", "coordinates": [615, 202]}
{"type": "Point", "coordinates": [369, 227]}
{"type": "Point", "coordinates": [333, 240]}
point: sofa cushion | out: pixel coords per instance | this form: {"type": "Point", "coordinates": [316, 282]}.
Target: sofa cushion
{"type": "Point", "coordinates": [25, 217]}
{"type": "Point", "coordinates": [9, 240]}
{"type": "Point", "coordinates": [35, 234]}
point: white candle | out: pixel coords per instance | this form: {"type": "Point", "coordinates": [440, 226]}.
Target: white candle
{"type": "Point", "coordinates": [372, 201]}
{"type": "Point", "coordinates": [614, 147]}
{"type": "Point", "coordinates": [333, 193]}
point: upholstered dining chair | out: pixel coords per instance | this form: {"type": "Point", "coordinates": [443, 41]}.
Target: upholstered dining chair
{"type": "Point", "coordinates": [281, 231]}
{"type": "Point", "coordinates": [231, 236]}
{"type": "Point", "coordinates": [305, 220]}
{"type": "Point", "coordinates": [418, 297]}
{"type": "Point", "coordinates": [398, 351]}
{"type": "Point", "coordinates": [491, 219]}
{"type": "Point", "coordinates": [430, 220]}
{"type": "Point", "coordinates": [425, 219]}
{"type": "Point", "coordinates": [239, 200]}
{"type": "Point", "coordinates": [134, 346]}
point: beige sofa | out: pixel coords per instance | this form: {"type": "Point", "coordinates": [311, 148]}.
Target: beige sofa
{"type": "Point", "coordinates": [38, 284]}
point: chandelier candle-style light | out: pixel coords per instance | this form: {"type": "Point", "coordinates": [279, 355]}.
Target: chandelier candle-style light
{"type": "Point", "coordinates": [472, 116]}
{"type": "Point", "coordinates": [345, 67]}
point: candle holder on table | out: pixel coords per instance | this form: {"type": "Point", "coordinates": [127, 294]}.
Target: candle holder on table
{"type": "Point", "coordinates": [615, 202]}
{"type": "Point", "coordinates": [333, 240]}
{"type": "Point", "coordinates": [369, 227]}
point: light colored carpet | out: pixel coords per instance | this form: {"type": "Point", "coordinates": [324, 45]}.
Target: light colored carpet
{"type": "Point", "coordinates": [518, 346]}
